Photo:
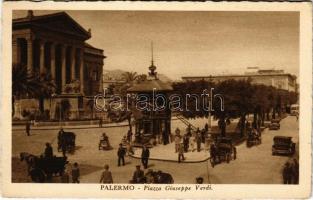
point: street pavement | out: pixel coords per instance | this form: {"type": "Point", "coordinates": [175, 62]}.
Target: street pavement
{"type": "Point", "coordinates": [253, 165]}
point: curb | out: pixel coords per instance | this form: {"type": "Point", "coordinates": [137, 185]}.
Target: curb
{"type": "Point", "coordinates": [173, 161]}
{"type": "Point", "coordinates": [58, 127]}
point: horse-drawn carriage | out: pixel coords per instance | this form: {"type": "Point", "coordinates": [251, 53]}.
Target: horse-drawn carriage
{"type": "Point", "coordinates": [222, 150]}
{"type": "Point", "coordinates": [66, 141]}
{"type": "Point", "coordinates": [104, 143]}
{"type": "Point", "coordinates": [254, 138]}
{"type": "Point", "coordinates": [41, 169]}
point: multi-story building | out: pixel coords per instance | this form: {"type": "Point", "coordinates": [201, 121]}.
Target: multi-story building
{"type": "Point", "coordinates": [276, 78]}
{"type": "Point", "coordinates": [55, 44]}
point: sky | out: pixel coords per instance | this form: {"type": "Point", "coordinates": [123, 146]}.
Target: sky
{"type": "Point", "coordinates": [192, 43]}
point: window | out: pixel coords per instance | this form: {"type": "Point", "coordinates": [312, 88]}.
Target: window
{"type": "Point", "coordinates": [95, 75]}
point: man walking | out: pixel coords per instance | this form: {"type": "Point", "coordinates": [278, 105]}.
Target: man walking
{"type": "Point", "coordinates": [145, 156]}
{"type": "Point", "coordinates": [121, 153]}
{"type": "Point", "coordinates": [295, 171]}
{"type": "Point", "coordinates": [287, 173]}
{"type": "Point", "coordinates": [186, 142]}
{"type": "Point", "coordinates": [181, 153]}
{"type": "Point", "coordinates": [75, 173]}
{"type": "Point", "coordinates": [106, 176]}
{"type": "Point", "coordinates": [177, 139]}
{"type": "Point", "coordinates": [27, 128]}
{"type": "Point", "coordinates": [198, 140]}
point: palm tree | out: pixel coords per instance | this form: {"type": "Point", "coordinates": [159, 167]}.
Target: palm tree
{"type": "Point", "coordinates": [24, 83]}
{"type": "Point", "coordinates": [46, 90]}
{"type": "Point", "coordinates": [129, 77]}
{"type": "Point", "coordinates": [30, 85]}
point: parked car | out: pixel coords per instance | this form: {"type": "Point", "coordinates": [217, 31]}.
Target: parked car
{"type": "Point", "coordinates": [274, 126]}
{"type": "Point", "coordinates": [283, 145]}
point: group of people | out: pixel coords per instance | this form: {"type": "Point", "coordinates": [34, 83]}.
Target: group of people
{"type": "Point", "coordinates": [138, 176]}
{"type": "Point", "coordinates": [190, 141]}
{"type": "Point", "coordinates": [291, 172]}
{"type": "Point", "coordinates": [121, 153]}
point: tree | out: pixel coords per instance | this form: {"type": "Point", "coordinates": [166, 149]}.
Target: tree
{"type": "Point", "coordinates": [46, 90]}
{"type": "Point", "coordinates": [238, 101]}
{"type": "Point", "coordinates": [129, 77]}
{"type": "Point", "coordinates": [24, 83]}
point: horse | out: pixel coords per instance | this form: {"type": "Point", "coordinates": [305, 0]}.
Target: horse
{"type": "Point", "coordinates": [30, 160]}
{"type": "Point", "coordinates": [160, 177]}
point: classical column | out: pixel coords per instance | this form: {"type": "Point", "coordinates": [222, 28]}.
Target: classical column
{"type": "Point", "coordinates": [29, 54]}
{"type": "Point", "coordinates": [63, 66]}
{"type": "Point", "coordinates": [72, 57]}
{"type": "Point", "coordinates": [81, 70]}
{"type": "Point", "coordinates": [42, 57]}
{"type": "Point", "coordinates": [15, 51]}
{"type": "Point", "coordinates": [52, 60]}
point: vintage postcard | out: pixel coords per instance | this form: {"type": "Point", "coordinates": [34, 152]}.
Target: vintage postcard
{"type": "Point", "coordinates": [156, 100]}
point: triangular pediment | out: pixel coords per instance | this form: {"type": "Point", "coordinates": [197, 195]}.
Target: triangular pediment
{"type": "Point", "coordinates": [59, 22]}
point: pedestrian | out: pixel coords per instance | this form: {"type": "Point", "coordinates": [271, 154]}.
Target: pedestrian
{"type": "Point", "coordinates": [206, 127]}
{"type": "Point", "coordinates": [27, 128]}
{"type": "Point", "coordinates": [203, 135]}
{"type": "Point", "coordinates": [145, 156]}
{"type": "Point", "coordinates": [100, 122]}
{"type": "Point", "coordinates": [121, 153]}
{"type": "Point", "coordinates": [177, 140]}
{"type": "Point", "coordinates": [295, 171]}
{"type": "Point", "coordinates": [138, 176]}
{"type": "Point", "coordinates": [48, 151]}
{"type": "Point", "coordinates": [235, 153]}
{"type": "Point", "coordinates": [75, 173]}
{"type": "Point", "coordinates": [287, 173]}
{"type": "Point", "coordinates": [181, 153]}
{"type": "Point", "coordinates": [198, 140]}
{"type": "Point", "coordinates": [129, 136]}
{"type": "Point", "coordinates": [186, 142]}
{"type": "Point", "coordinates": [106, 176]}
{"type": "Point", "coordinates": [165, 137]}
{"type": "Point", "coordinates": [192, 141]}
{"type": "Point", "coordinates": [124, 140]}
{"type": "Point", "coordinates": [213, 152]}
{"type": "Point", "coordinates": [188, 130]}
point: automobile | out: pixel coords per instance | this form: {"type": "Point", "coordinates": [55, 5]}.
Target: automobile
{"type": "Point", "coordinates": [225, 150]}
{"type": "Point", "coordinates": [274, 126]}
{"type": "Point", "coordinates": [294, 109]}
{"type": "Point", "coordinates": [283, 145]}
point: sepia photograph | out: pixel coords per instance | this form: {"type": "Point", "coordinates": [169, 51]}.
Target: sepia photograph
{"type": "Point", "coordinates": [149, 97]}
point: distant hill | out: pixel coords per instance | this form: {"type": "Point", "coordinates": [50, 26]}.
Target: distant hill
{"type": "Point", "coordinates": [117, 75]}
{"type": "Point", "coordinates": [113, 74]}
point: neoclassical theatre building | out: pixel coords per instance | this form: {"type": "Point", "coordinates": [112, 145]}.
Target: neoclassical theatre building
{"type": "Point", "coordinates": [56, 44]}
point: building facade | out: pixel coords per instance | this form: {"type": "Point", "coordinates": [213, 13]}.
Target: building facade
{"type": "Point", "coordinates": [55, 44]}
{"type": "Point", "coordinates": [276, 78]}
